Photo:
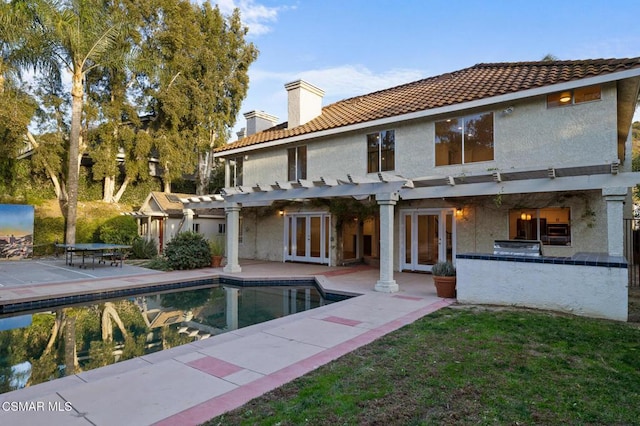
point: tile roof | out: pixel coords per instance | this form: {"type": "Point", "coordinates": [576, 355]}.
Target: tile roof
{"type": "Point", "coordinates": [171, 204]}
{"type": "Point", "coordinates": [477, 82]}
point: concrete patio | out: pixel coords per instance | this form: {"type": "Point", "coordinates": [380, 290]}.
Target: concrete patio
{"type": "Point", "coordinates": [192, 383]}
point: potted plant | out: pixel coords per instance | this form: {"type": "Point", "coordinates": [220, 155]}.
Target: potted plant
{"type": "Point", "coordinates": [216, 246]}
{"type": "Point", "coordinates": [444, 278]}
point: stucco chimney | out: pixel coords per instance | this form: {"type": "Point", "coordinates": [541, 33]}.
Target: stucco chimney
{"type": "Point", "coordinates": [258, 121]}
{"type": "Point", "coordinates": [305, 102]}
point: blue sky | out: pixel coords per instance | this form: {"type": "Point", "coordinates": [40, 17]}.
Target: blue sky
{"type": "Point", "coordinates": [354, 47]}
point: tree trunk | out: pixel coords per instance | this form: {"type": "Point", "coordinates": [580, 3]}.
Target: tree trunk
{"type": "Point", "coordinates": [205, 165]}
{"type": "Point", "coordinates": [61, 193]}
{"type": "Point", "coordinates": [109, 312]}
{"type": "Point", "coordinates": [57, 325]}
{"type": "Point", "coordinates": [108, 189]}
{"type": "Point", "coordinates": [116, 198]}
{"type": "Point", "coordinates": [74, 154]}
{"type": "Point", "coordinates": [70, 346]}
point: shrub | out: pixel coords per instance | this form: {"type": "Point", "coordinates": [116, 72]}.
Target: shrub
{"type": "Point", "coordinates": [443, 269]}
{"type": "Point", "coordinates": [159, 263]}
{"type": "Point", "coordinates": [188, 250]}
{"type": "Point", "coordinates": [216, 246]}
{"type": "Point", "coordinates": [144, 249]}
{"type": "Point", "coordinates": [118, 230]}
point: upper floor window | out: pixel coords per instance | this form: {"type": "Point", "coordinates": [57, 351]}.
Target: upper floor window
{"type": "Point", "coordinates": [381, 151]}
{"type": "Point", "coordinates": [297, 163]}
{"type": "Point", "coordinates": [574, 96]}
{"type": "Point", "coordinates": [235, 171]}
{"type": "Point", "coordinates": [464, 139]}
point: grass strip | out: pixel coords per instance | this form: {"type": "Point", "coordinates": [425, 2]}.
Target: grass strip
{"type": "Point", "coordinates": [468, 366]}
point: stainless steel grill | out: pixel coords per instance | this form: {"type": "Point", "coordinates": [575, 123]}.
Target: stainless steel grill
{"type": "Point", "coordinates": [531, 248]}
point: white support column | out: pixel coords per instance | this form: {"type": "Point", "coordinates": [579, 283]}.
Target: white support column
{"type": "Point", "coordinates": [387, 203]}
{"type": "Point", "coordinates": [232, 211]}
{"type": "Point", "coordinates": [227, 174]}
{"type": "Point", "coordinates": [615, 198]}
{"type": "Point", "coordinates": [188, 220]}
{"type": "Point", "coordinates": [232, 307]}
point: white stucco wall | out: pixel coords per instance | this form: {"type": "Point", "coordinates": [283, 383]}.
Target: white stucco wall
{"type": "Point", "coordinates": [209, 227]}
{"type": "Point", "coordinates": [262, 234]}
{"type": "Point", "coordinates": [483, 221]}
{"type": "Point", "coordinates": [591, 291]}
{"type": "Point", "coordinates": [531, 136]}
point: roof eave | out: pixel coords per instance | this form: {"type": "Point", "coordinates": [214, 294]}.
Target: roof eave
{"type": "Point", "coordinates": [478, 103]}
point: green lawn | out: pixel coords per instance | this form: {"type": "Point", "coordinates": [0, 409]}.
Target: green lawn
{"type": "Point", "coordinates": [470, 366]}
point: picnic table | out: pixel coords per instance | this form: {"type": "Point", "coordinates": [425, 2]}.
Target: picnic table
{"type": "Point", "coordinates": [103, 252]}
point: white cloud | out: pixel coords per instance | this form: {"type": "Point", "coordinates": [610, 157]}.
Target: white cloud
{"type": "Point", "coordinates": [257, 17]}
{"type": "Point", "coordinates": [267, 92]}
{"type": "Point", "coordinates": [342, 81]}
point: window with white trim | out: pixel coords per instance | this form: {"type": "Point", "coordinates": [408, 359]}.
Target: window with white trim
{"type": "Point", "coordinates": [297, 163]}
{"type": "Point", "coordinates": [235, 171]}
{"type": "Point", "coordinates": [464, 139]}
{"type": "Point", "coordinates": [381, 151]}
{"type": "Point", "coordinates": [574, 96]}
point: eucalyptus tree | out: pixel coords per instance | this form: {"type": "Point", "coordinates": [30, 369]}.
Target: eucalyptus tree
{"type": "Point", "coordinates": [16, 105]}
{"type": "Point", "coordinates": [73, 37]}
{"type": "Point", "coordinates": [197, 92]}
{"type": "Point", "coordinates": [16, 111]}
{"type": "Point", "coordinates": [120, 144]}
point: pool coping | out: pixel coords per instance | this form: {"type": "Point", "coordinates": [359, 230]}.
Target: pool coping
{"type": "Point", "coordinates": [27, 303]}
{"type": "Point", "coordinates": [270, 353]}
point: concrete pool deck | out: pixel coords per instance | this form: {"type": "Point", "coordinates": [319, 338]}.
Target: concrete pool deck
{"type": "Point", "coordinates": [189, 384]}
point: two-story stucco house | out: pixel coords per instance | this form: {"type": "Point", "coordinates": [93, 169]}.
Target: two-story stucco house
{"type": "Point", "coordinates": [439, 168]}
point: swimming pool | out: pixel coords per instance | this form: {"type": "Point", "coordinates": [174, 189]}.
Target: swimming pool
{"type": "Point", "coordinates": [46, 339]}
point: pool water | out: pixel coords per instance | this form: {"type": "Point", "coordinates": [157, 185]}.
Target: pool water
{"type": "Point", "coordinates": [39, 346]}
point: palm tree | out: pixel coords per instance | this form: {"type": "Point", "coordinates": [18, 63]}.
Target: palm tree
{"type": "Point", "coordinates": [64, 36]}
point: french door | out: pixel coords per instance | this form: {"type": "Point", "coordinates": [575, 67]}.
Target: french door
{"type": "Point", "coordinates": [427, 236]}
{"type": "Point", "coordinates": [306, 237]}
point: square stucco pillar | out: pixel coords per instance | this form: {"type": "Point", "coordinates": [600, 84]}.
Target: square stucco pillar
{"type": "Point", "coordinates": [387, 203]}
{"type": "Point", "coordinates": [188, 219]}
{"type": "Point", "coordinates": [615, 198]}
{"type": "Point", "coordinates": [232, 211]}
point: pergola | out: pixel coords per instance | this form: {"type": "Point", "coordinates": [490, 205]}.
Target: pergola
{"type": "Point", "coordinates": [388, 189]}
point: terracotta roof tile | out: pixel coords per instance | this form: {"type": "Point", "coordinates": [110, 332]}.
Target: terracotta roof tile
{"type": "Point", "coordinates": [477, 82]}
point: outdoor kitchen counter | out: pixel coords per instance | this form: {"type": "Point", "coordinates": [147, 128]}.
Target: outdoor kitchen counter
{"type": "Point", "coordinates": [581, 258]}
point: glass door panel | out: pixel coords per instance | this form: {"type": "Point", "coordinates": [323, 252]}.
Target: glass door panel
{"type": "Point", "coordinates": [301, 236]}
{"type": "Point", "coordinates": [407, 239]}
{"type": "Point", "coordinates": [315, 234]}
{"type": "Point", "coordinates": [448, 248]}
{"type": "Point", "coordinates": [428, 237]}
{"type": "Point", "coordinates": [327, 226]}
{"type": "Point", "coordinates": [307, 238]}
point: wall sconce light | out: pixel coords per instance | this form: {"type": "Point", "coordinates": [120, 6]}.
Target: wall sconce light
{"type": "Point", "coordinates": [459, 211]}
{"type": "Point", "coordinates": [246, 157]}
{"type": "Point", "coordinates": [525, 216]}
{"type": "Point", "coordinates": [508, 111]}
{"type": "Point", "coordinates": [281, 212]}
